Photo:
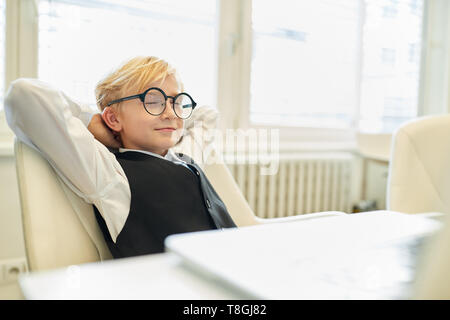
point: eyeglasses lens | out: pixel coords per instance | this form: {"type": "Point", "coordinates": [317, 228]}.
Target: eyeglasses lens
{"type": "Point", "coordinates": [183, 106]}
{"type": "Point", "coordinates": [155, 102]}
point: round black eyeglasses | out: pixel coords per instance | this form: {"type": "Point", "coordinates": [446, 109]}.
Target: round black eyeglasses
{"type": "Point", "coordinates": [155, 101]}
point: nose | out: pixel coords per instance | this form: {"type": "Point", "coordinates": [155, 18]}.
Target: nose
{"type": "Point", "coordinates": [169, 113]}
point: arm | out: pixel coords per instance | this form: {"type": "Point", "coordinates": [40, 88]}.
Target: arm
{"type": "Point", "coordinates": [49, 121]}
{"type": "Point", "coordinates": [102, 132]}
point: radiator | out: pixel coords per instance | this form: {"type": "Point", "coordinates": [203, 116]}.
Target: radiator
{"type": "Point", "coordinates": [303, 183]}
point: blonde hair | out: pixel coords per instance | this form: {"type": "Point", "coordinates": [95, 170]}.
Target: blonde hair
{"type": "Point", "coordinates": [133, 77]}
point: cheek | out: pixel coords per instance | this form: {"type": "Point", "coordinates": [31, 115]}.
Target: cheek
{"type": "Point", "coordinates": [139, 126]}
{"type": "Point", "coordinates": [180, 124]}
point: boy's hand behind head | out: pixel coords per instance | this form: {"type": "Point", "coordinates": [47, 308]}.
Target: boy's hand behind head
{"type": "Point", "coordinates": [103, 133]}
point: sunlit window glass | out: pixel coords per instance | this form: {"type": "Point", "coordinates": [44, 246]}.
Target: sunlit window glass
{"type": "Point", "coordinates": [339, 64]}
{"type": "Point", "coordinates": [81, 41]}
{"type": "Point", "coordinates": [303, 68]}
{"type": "Point", "coordinates": [391, 64]}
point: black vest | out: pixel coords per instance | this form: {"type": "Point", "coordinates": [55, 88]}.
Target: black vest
{"type": "Point", "coordinates": [166, 198]}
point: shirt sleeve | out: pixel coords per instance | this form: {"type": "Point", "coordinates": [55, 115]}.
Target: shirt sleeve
{"type": "Point", "coordinates": [49, 121]}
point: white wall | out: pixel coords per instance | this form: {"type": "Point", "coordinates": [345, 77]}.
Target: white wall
{"type": "Point", "coordinates": [11, 238]}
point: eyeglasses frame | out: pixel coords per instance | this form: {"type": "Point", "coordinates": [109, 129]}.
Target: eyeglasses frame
{"type": "Point", "coordinates": [141, 97]}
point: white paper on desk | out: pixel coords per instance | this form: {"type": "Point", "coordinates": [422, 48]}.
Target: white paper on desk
{"type": "Point", "coordinates": [291, 260]}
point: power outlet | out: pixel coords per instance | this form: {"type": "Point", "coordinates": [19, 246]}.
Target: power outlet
{"type": "Point", "coordinates": [11, 269]}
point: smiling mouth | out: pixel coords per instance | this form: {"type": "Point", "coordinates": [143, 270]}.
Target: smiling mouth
{"type": "Point", "coordinates": [168, 129]}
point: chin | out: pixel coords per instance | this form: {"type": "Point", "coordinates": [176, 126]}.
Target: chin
{"type": "Point", "coordinates": [167, 144]}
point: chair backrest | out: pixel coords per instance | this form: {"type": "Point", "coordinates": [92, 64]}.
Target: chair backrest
{"type": "Point", "coordinates": [419, 171]}
{"type": "Point", "coordinates": [59, 227]}
{"type": "Point", "coordinates": [226, 187]}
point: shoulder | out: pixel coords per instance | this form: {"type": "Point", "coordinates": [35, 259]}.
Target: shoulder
{"type": "Point", "coordinates": [184, 157]}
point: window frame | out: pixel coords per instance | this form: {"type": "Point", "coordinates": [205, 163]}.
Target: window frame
{"type": "Point", "coordinates": [20, 55]}
{"type": "Point", "coordinates": [21, 50]}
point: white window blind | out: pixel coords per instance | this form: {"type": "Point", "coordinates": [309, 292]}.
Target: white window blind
{"type": "Point", "coordinates": [81, 41]}
{"type": "Point", "coordinates": [335, 63]}
{"type": "Point", "coordinates": [2, 51]}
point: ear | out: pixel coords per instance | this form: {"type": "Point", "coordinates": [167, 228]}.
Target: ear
{"type": "Point", "coordinates": [109, 115]}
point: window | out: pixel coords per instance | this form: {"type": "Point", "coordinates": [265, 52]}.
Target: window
{"type": "Point", "coordinates": [390, 85]}
{"type": "Point", "coordinates": [2, 51]}
{"type": "Point", "coordinates": [334, 64]}
{"type": "Point", "coordinates": [414, 6]}
{"type": "Point", "coordinates": [353, 68]}
{"type": "Point", "coordinates": [291, 73]}
{"type": "Point", "coordinates": [414, 53]}
{"type": "Point", "coordinates": [81, 41]}
{"type": "Point", "coordinates": [388, 56]}
{"type": "Point", "coordinates": [390, 9]}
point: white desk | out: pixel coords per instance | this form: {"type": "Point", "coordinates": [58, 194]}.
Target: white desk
{"type": "Point", "coordinates": [159, 276]}
{"type": "Point", "coordinates": [165, 276]}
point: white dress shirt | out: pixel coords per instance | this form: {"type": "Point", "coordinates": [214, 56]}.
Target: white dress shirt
{"type": "Point", "coordinates": [49, 121]}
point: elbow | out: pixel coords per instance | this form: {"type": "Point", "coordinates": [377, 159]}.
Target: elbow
{"type": "Point", "coordinates": [16, 99]}
{"type": "Point", "coordinates": [20, 92]}
{"type": "Point", "coordinates": [17, 89]}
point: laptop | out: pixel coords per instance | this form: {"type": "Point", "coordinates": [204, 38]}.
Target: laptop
{"type": "Point", "coordinates": [371, 255]}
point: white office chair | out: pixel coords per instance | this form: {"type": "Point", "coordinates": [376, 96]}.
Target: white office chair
{"type": "Point", "coordinates": [419, 181]}
{"type": "Point", "coordinates": [419, 170]}
{"type": "Point", "coordinates": [60, 229]}
{"type": "Point", "coordinates": [433, 274]}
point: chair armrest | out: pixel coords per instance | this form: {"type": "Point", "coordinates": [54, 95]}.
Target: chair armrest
{"type": "Point", "coordinates": [300, 217]}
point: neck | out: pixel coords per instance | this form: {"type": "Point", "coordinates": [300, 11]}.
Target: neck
{"type": "Point", "coordinates": [161, 152]}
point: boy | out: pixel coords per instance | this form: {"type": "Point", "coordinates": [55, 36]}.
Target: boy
{"type": "Point", "coordinates": [144, 192]}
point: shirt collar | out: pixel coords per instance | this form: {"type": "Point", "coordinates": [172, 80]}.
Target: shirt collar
{"type": "Point", "coordinates": [170, 155]}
